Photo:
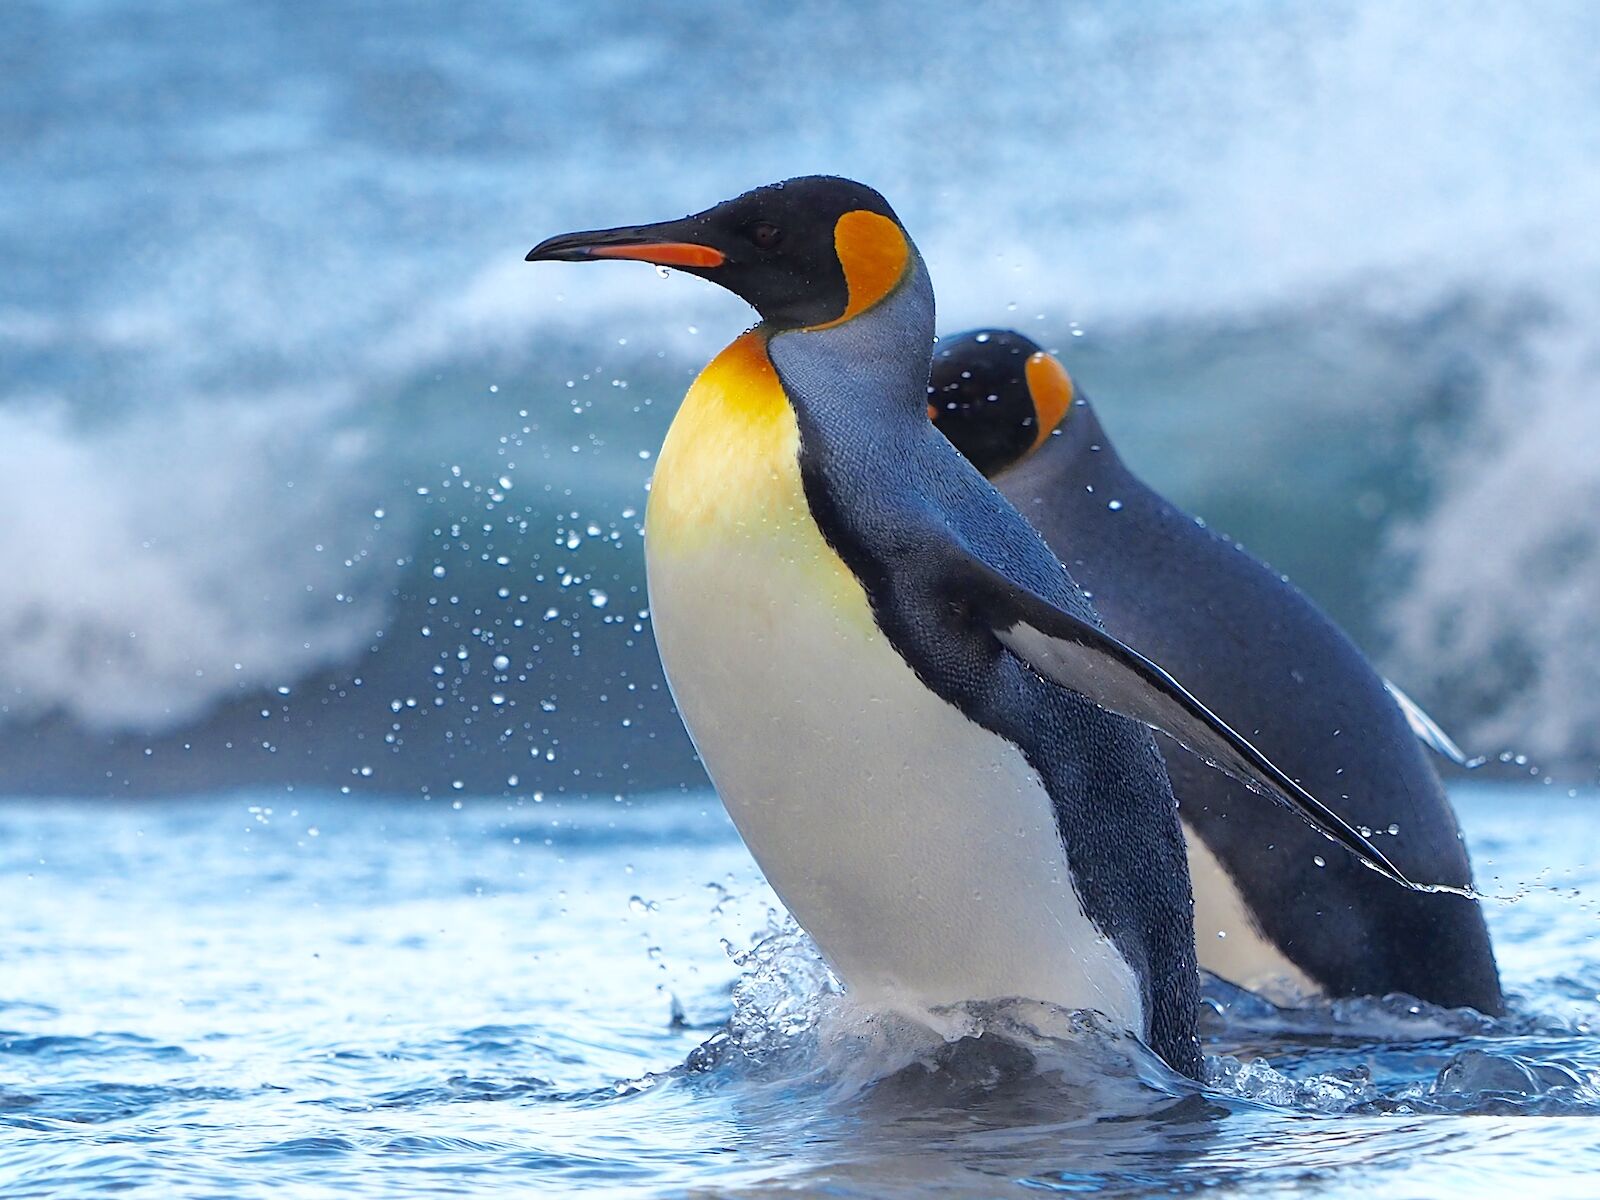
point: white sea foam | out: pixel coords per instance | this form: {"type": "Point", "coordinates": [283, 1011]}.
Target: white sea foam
{"type": "Point", "coordinates": [161, 565]}
{"type": "Point", "coordinates": [1505, 589]}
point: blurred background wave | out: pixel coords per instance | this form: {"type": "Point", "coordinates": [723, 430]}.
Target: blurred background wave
{"type": "Point", "coordinates": [307, 478]}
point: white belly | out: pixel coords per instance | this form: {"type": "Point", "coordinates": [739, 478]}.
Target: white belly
{"type": "Point", "coordinates": [919, 850]}
{"type": "Point", "coordinates": [1227, 939]}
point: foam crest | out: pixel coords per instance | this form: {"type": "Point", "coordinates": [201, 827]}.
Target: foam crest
{"type": "Point", "coordinates": [163, 575]}
{"type": "Point", "coordinates": [1505, 566]}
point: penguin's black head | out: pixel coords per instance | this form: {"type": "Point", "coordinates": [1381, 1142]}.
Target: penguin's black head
{"type": "Point", "coordinates": [996, 395]}
{"type": "Point", "coordinates": [807, 252]}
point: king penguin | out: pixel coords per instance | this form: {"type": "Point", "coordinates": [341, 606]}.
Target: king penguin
{"type": "Point", "coordinates": [1272, 912]}
{"type": "Point", "coordinates": [908, 709]}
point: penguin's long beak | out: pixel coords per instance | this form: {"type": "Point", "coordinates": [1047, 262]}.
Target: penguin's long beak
{"type": "Point", "coordinates": [668, 244]}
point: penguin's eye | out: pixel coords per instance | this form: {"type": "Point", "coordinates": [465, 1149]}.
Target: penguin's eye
{"type": "Point", "coordinates": [764, 234]}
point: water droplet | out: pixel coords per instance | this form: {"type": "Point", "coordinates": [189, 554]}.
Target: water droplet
{"type": "Point", "coordinates": [1319, 860]}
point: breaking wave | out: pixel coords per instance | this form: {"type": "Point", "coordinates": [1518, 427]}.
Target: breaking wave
{"type": "Point", "coordinates": [303, 436]}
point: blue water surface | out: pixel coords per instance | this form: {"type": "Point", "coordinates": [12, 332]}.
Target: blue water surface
{"type": "Point", "coordinates": [316, 995]}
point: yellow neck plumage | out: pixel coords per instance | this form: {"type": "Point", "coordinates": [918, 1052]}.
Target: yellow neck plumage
{"type": "Point", "coordinates": [731, 458]}
{"type": "Point", "coordinates": [730, 464]}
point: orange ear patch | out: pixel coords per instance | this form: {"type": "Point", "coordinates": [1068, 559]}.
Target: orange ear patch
{"type": "Point", "coordinates": [1051, 389]}
{"type": "Point", "coordinates": [873, 253]}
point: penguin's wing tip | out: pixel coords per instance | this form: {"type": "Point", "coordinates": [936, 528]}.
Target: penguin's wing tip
{"type": "Point", "coordinates": [1120, 680]}
{"type": "Point", "coordinates": [1073, 654]}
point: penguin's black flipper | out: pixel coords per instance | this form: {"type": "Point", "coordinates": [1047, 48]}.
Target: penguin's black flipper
{"type": "Point", "coordinates": [1428, 731]}
{"type": "Point", "coordinates": [1074, 654]}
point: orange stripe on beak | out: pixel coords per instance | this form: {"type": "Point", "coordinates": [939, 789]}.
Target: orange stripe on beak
{"type": "Point", "coordinates": [664, 254]}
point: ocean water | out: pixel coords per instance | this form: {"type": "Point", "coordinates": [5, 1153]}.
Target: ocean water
{"type": "Point", "coordinates": [317, 995]}
{"type": "Point", "coordinates": [316, 482]}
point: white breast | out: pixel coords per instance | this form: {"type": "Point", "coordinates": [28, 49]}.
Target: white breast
{"type": "Point", "coordinates": [1229, 942]}
{"type": "Point", "coordinates": [919, 850]}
